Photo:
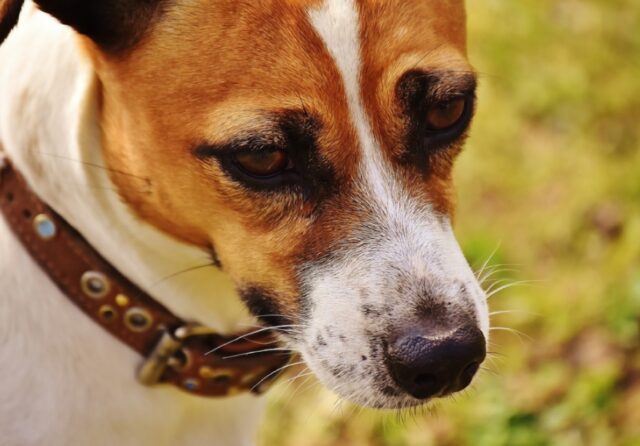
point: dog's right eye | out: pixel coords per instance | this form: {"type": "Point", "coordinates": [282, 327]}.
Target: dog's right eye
{"type": "Point", "coordinates": [259, 167]}
{"type": "Point", "coordinates": [263, 163]}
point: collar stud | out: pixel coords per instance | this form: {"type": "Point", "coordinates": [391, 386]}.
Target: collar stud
{"type": "Point", "coordinates": [138, 319]}
{"type": "Point", "coordinates": [44, 227]}
{"type": "Point", "coordinates": [95, 284]}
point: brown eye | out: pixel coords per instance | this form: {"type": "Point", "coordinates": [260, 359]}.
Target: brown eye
{"type": "Point", "coordinates": [446, 114]}
{"type": "Point", "coordinates": [262, 163]}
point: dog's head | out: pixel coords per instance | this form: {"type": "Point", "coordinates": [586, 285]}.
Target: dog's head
{"type": "Point", "coordinates": [309, 143]}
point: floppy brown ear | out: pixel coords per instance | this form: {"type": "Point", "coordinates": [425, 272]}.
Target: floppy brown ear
{"type": "Point", "coordinates": [112, 24]}
{"type": "Point", "coordinates": [9, 12]}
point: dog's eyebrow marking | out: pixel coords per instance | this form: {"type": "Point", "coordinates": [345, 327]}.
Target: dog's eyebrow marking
{"type": "Point", "coordinates": [439, 84]}
{"type": "Point", "coordinates": [279, 130]}
{"type": "Point", "coordinates": [247, 141]}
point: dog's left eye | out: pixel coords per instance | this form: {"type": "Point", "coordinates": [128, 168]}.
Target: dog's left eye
{"type": "Point", "coordinates": [263, 163]}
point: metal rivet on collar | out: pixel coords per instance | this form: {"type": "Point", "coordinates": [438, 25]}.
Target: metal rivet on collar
{"type": "Point", "coordinates": [122, 300]}
{"type": "Point", "coordinates": [137, 319]}
{"type": "Point", "coordinates": [250, 378]}
{"type": "Point", "coordinates": [234, 391]}
{"type": "Point", "coordinates": [107, 313]}
{"type": "Point", "coordinates": [191, 384]}
{"type": "Point", "coordinates": [44, 226]}
{"type": "Point", "coordinates": [95, 284]}
{"type": "Point", "coordinates": [220, 376]}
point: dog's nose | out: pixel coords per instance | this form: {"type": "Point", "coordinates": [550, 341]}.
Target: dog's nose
{"type": "Point", "coordinates": [428, 365]}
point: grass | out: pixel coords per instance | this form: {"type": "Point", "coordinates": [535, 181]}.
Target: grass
{"type": "Point", "coordinates": [551, 177]}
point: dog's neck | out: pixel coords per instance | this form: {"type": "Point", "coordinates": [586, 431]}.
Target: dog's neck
{"type": "Point", "coordinates": [61, 157]}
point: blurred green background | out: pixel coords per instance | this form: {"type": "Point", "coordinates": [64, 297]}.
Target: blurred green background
{"type": "Point", "coordinates": [550, 180]}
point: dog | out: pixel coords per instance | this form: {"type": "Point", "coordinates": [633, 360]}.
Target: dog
{"type": "Point", "coordinates": [300, 150]}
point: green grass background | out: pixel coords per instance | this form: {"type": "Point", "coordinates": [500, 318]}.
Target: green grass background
{"type": "Point", "coordinates": [551, 177]}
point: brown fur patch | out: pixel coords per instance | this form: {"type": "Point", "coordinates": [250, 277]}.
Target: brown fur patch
{"type": "Point", "coordinates": [114, 25]}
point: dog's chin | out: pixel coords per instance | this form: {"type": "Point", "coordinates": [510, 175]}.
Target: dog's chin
{"type": "Point", "coordinates": [374, 390]}
{"type": "Point", "coordinates": [386, 403]}
{"type": "Point", "coordinates": [374, 397]}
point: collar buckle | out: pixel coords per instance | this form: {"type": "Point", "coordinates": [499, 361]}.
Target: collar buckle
{"type": "Point", "coordinates": [164, 353]}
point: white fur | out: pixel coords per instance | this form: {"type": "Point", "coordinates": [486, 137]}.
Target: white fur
{"type": "Point", "coordinates": [410, 239]}
{"type": "Point", "coordinates": [64, 380]}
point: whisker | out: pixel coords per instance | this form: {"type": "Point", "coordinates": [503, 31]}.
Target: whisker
{"type": "Point", "coordinates": [302, 374]}
{"type": "Point", "coordinates": [486, 262]}
{"type": "Point", "coordinates": [298, 388]}
{"type": "Point", "coordinates": [510, 285]}
{"type": "Point", "coordinates": [246, 335]}
{"type": "Point", "coordinates": [97, 166]}
{"type": "Point", "coordinates": [518, 333]}
{"type": "Point", "coordinates": [275, 327]}
{"type": "Point", "coordinates": [281, 330]}
{"type": "Point", "coordinates": [492, 354]}
{"type": "Point", "coordinates": [275, 349]}
{"type": "Point", "coordinates": [529, 313]}
{"type": "Point", "coordinates": [277, 315]}
{"type": "Point", "coordinates": [492, 359]}
{"type": "Point", "coordinates": [488, 370]}
{"type": "Point", "coordinates": [184, 271]}
{"type": "Point", "coordinates": [337, 404]}
{"type": "Point", "coordinates": [495, 270]}
{"type": "Point", "coordinates": [496, 284]}
{"type": "Point", "coordinates": [278, 370]}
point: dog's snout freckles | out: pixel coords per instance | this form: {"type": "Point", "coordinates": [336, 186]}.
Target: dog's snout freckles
{"type": "Point", "coordinates": [384, 334]}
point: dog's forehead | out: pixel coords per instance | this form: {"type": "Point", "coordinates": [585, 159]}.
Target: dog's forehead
{"type": "Point", "coordinates": [269, 54]}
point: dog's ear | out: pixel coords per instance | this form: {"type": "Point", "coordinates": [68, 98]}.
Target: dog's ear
{"type": "Point", "coordinates": [9, 12]}
{"type": "Point", "coordinates": [113, 25]}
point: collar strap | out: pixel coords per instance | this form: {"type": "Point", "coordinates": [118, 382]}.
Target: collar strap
{"type": "Point", "coordinates": [184, 354]}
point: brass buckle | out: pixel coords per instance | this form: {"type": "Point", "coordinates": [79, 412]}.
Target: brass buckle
{"type": "Point", "coordinates": [163, 354]}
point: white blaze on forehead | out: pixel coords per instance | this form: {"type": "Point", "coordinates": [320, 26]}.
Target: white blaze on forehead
{"type": "Point", "coordinates": [337, 22]}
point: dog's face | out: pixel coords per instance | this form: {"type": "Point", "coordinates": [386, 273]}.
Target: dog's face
{"type": "Point", "coordinates": [310, 144]}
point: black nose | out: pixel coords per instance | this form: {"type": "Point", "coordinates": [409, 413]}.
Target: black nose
{"type": "Point", "coordinates": [428, 365]}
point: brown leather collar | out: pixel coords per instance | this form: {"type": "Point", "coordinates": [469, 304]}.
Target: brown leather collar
{"type": "Point", "coordinates": [181, 353]}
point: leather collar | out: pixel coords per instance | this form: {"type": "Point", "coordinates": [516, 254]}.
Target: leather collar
{"type": "Point", "coordinates": [175, 351]}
